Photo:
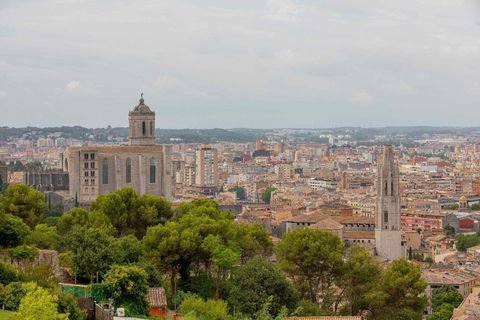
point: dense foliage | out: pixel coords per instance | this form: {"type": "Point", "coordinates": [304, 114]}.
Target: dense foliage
{"type": "Point", "coordinates": [210, 266]}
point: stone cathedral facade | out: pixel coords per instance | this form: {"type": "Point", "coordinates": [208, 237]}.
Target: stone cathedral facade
{"type": "Point", "coordinates": [388, 234]}
{"type": "Point", "coordinates": [143, 165]}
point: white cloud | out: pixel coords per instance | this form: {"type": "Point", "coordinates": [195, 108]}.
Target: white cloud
{"type": "Point", "coordinates": [169, 82]}
{"type": "Point", "coordinates": [79, 87]}
{"type": "Point", "coordinates": [361, 97]}
{"type": "Point", "coordinates": [175, 86]}
{"type": "Point", "coordinates": [283, 10]}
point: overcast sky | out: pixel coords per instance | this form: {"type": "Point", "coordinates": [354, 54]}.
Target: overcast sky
{"type": "Point", "coordinates": [242, 63]}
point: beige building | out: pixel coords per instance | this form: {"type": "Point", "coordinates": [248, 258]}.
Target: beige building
{"type": "Point", "coordinates": [206, 167]}
{"type": "Point", "coordinates": [388, 234]}
{"type": "Point", "coordinates": [142, 164]}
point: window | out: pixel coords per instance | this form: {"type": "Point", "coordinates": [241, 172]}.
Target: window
{"type": "Point", "coordinates": [92, 173]}
{"type": "Point", "coordinates": [86, 174]}
{"type": "Point", "coordinates": [92, 165]}
{"type": "Point", "coordinates": [144, 129]}
{"type": "Point", "coordinates": [153, 171]}
{"type": "Point", "coordinates": [128, 171]}
{"type": "Point", "coordinates": [105, 171]}
{"type": "Point", "coordinates": [92, 156]}
{"type": "Point", "coordinates": [85, 165]}
{"type": "Point", "coordinates": [385, 216]}
{"type": "Point", "coordinates": [151, 128]}
{"type": "Point", "coordinates": [85, 156]}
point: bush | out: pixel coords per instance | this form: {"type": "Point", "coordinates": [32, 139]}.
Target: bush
{"type": "Point", "coordinates": [13, 231]}
{"type": "Point", "coordinates": [210, 309]}
{"type": "Point", "coordinates": [11, 295]}
{"type": "Point", "coordinates": [8, 273]}
{"type": "Point", "coordinates": [23, 252]}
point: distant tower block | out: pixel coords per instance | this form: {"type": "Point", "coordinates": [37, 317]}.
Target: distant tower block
{"type": "Point", "coordinates": [141, 129]}
{"type": "Point", "coordinates": [388, 235]}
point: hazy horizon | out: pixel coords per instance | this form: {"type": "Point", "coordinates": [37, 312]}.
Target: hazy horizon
{"type": "Point", "coordinates": [249, 64]}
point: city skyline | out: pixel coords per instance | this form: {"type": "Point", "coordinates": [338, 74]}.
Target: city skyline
{"type": "Point", "coordinates": [271, 64]}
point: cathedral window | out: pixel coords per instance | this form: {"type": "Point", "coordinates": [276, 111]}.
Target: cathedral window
{"type": "Point", "coordinates": [385, 216]}
{"type": "Point", "coordinates": [151, 128]}
{"type": "Point", "coordinates": [128, 171]}
{"type": "Point", "coordinates": [105, 171]}
{"type": "Point", "coordinates": [153, 171]}
{"type": "Point", "coordinates": [144, 128]}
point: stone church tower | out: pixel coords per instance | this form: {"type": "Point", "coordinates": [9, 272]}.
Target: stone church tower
{"type": "Point", "coordinates": [388, 234]}
{"type": "Point", "coordinates": [141, 128]}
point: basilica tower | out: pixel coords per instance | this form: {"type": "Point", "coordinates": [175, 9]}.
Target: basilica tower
{"type": "Point", "coordinates": [388, 236]}
{"type": "Point", "coordinates": [141, 128]}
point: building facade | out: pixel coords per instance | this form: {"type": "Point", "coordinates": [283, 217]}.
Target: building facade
{"type": "Point", "coordinates": [206, 167]}
{"type": "Point", "coordinates": [388, 234]}
{"type": "Point", "coordinates": [142, 164]}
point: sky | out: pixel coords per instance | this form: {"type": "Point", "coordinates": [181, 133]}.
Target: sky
{"type": "Point", "coordinates": [242, 63]}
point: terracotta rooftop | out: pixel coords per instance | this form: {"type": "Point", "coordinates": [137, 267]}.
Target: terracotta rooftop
{"type": "Point", "coordinates": [355, 235]}
{"type": "Point", "coordinates": [327, 224]}
{"type": "Point", "coordinates": [447, 277]}
{"type": "Point", "coordinates": [156, 297]}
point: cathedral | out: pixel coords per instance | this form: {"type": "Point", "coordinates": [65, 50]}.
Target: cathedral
{"type": "Point", "coordinates": [388, 234]}
{"type": "Point", "coordinates": [143, 165]}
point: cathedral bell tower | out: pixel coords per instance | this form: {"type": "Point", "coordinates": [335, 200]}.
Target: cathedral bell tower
{"type": "Point", "coordinates": [141, 128]}
{"type": "Point", "coordinates": [388, 234]}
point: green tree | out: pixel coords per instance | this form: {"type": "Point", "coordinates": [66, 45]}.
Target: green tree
{"type": "Point", "coordinates": [8, 273]}
{"type": "Point", "coordinates": [131, 213]}
{"type": "Point", "coordinates": [127, 249]}
{"type": "Point", "coordinates": [258, 282]}
{"type": "Point", "coordinates": [444, 300]}
{"type": "Point", "coordinates": [240, 191]}
{"type": "Point", "coordinates": [80, 217]}
{"type": "Point", "coordinates": [313, 259]}
{"type": "Point", "coordinates": [11, 295]}
{"type": "Point", "coordinates": [267, 194]}
{"type": "Point", "coordinates": [39, 304]}
{"type": "Point", "coordinates": [92, 252]}
{"type": "Point", "coordinates": [400, 293]}
{"type": "Point", "coordinates": [446, 295]}
{"type": "Point", "coordinates": [224, 259]}
{"type": "Point", "coordinates": [449, 230]}
{"type": "Point", "coordinates": [44, 237]}
{"type": "Point", "coordinates": [186, 207]}
{"type": "Point", "coordinates": [253, 240]}
{"type": "Point", "coordinates": [13, 231]}
{"type": "Point", "coordinates": [129, 286]}
{"type": "Point", "coordinates": [204, 310]}
{"type": "Point", "coordinates": [24, 202]}
{"type": "Point", "coordinates": [467, 241]}
{"type": "Point", "coordinates": [165, 247]}
{"type": "Point", "coordinates": [356, 281]}
{"type": "Point", "coordinates": [67, 304]}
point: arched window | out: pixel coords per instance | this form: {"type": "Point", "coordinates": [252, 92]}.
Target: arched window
{"type": "Point", "coordinates": [153, 171]}
{"type": "Point", "coordinates": [144, 128]}
{"type": "Point", "coordinates": [151, 128]}
{"type": "Point", "coordinates": [105, 171]}
{"type": "Point", "coordinates": [128, 171]}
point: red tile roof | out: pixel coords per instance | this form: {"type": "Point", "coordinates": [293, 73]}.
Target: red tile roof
{"type": "Point", "coordinates": [156, 297]}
